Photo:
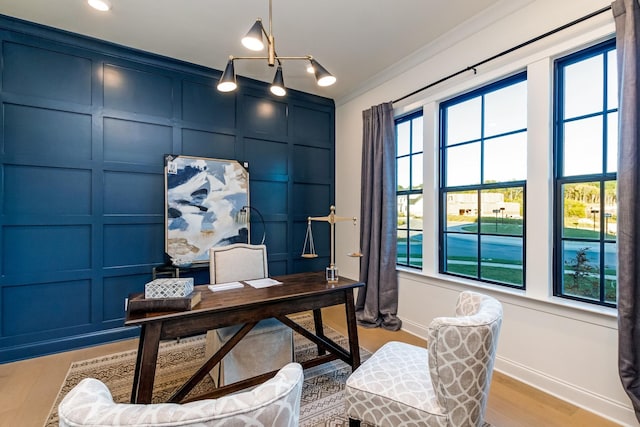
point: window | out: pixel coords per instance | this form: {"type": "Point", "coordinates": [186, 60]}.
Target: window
{"type": "Point", "coordinates": [586, 142]}
{"type": "Point", "coordinates": [409, 179]}
{"type": "Point", "coordinates": [483, 170]}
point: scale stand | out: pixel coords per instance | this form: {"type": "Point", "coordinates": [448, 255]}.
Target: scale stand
{"type": "Point", "coordinates": [332, 218]}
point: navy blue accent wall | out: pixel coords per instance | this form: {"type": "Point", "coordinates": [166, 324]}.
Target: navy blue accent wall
{"type": "Point", "coordinates": [85, 125]}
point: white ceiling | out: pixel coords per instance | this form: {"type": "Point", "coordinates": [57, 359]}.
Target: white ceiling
{"type": "Point", "coordinates": [356, 40]}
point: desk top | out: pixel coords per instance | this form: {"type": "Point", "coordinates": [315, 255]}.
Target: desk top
{"type": "Point", "coordinates": [294, 287]}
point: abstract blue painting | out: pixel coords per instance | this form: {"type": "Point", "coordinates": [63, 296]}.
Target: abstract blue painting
{"type": "Point", "coordinates": [203, 199]}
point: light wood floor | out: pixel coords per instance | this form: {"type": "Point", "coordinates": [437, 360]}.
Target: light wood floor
{"type": "Point", "coordinates": [28, 388]}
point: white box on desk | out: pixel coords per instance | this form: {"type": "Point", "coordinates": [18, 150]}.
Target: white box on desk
{"type": "Point", "coordinates": [169, 288]}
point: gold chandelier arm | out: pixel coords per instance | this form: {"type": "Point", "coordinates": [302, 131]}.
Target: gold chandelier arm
{"type": "Point", "coordinates": [283, 58]}
{"type": "Point", "coordinates": [307, 57]}
{"type": "Point", "coordinates": [233, 58]}
{"type": "Point", "coordinates": [271, 50]}
{"type": "Point", "coordinates": [270, 20]}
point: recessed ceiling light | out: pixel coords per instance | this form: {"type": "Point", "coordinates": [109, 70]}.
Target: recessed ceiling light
{"type": "Point", "coordinates": [101, 5]}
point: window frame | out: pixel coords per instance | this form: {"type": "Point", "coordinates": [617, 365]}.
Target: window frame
{"type": "Point", "coordinates": [559, 180]}
{"type": "Point", "coordinates": [443, 190]}
{"type": "Point", "coordinates": [410, 191]}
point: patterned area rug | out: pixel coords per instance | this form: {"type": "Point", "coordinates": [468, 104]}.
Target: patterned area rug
{"type": "Point", "coordinates": [322, 392]}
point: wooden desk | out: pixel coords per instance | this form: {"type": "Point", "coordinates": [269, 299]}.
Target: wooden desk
{"type": "Point", "coordinates": [299, 292]}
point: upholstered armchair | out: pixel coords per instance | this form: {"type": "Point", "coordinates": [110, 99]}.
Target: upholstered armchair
{"type": "Point", "coordinates": [276, 402]}
{"type": "Point", "coordinates": [446, 384]}
{"type": "Point", "coordinates": [269, 345]}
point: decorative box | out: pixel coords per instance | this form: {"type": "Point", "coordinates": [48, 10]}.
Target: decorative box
{"type": "Point", "coordinates": [138, 304]}
{"type": "Point", "coordinates": [169, 288]}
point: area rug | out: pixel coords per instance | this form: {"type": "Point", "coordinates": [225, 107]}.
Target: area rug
{"type": "Point", "coordinates": [322, 393]}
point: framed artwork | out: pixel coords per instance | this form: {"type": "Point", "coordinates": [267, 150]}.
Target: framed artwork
{"type": "Point", "coordinates": [204, 200]}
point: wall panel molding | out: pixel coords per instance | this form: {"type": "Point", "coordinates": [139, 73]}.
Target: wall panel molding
{"type": "Point", "coordinates": [85, 128]}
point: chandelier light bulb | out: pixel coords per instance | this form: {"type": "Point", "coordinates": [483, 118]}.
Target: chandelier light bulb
{"type": "Point", "coordinates": [326, 81]}
{"type": "Point", "coordinates": [277, 87]}
{"type": "Point", "coordinates": [101, 5]}
{"type": "Point", "coordinates": [278, 91]}
{"type": "Point", "coordinates": [252, 44]}
{"type": "Point", "coordinates": [323, 77]}
{"type": "Point", "coordinates": [227, 82]}
{"type": "Point", "coordinates": [227, 86]}
{"type": "Point", "coordinates": [253, 39]}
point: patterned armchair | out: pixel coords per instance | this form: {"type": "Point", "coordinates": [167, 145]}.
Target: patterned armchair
{"type": "Point", "coordinates": [273, 403]}
{"type": "Point", "coordinates": [446, 384]}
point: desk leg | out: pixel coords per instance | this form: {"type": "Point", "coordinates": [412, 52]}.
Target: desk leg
{"type": "Point", "coordinates": [317, 321]}
{"type": "Point", "coordinates": [146, 363]}
{"type": "Point", "coordinates": [352, 329]}
{"type": "Point", "coordinates": [136, 371]}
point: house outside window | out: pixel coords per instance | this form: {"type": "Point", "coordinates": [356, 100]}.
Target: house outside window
{"type": "Point", "coordinates": [483, 170]}
{"type": "Point", "coordinates": [409, 186]}
{"type": "Point", "coordinates": [585, 202]}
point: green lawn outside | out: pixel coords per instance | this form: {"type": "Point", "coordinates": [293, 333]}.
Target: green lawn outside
{"type": "Point", "coordinates": [584, 233]}
{"type": "Point", "coordinates": [585, 287]}
{"type": "Point", "coordinates": [498, 272]}
{"type": "Point", "coordinates": [495, 228]}
{"type": "Point", "coordinates": [589, 287]}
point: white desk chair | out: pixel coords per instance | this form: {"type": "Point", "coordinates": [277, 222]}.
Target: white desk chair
{"type": "Point", "coordinates": [269, 345]}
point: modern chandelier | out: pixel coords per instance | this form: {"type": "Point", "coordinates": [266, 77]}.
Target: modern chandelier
{"type": "Point", "coordinates": [254, 41]}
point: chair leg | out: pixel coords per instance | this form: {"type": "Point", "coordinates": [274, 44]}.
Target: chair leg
{"type": "Point", "coordinates": [354, 423]}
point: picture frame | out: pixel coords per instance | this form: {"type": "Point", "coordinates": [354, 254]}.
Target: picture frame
{"type": "Point", "coordinates": [204, 198]}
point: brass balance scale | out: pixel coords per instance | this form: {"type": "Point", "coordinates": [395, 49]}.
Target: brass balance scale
{"type": "Point", "coordinates": [309, 250]}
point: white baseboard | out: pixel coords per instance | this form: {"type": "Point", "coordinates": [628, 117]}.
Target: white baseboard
{"type": "Point", "coordinates": [414, 328]}
{"type": "Point", "coordinates": [618, 412]}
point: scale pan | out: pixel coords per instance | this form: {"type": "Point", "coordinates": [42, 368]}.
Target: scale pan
{"type": "Point", "coordinates": [309, 255]}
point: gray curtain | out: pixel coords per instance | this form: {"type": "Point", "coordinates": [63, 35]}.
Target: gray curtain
{"type": "Point", "coordinates": [627, 20]}
{"type": "Point", "coordinates": [377, 303]}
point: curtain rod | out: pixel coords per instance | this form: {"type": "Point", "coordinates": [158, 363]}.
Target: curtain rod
{"type": "Point", "coordinates": [521, 45]}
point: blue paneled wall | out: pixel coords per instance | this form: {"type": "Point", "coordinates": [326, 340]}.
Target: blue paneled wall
{"type": "Point", "coordinates": [85, 127]}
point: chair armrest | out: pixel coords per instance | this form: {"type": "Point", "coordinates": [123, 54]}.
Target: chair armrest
{"type": "Point", "coordinates": [91, 403]}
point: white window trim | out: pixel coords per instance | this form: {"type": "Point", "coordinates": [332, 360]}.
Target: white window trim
{"type": "Point", "coordinates": [538, 62]}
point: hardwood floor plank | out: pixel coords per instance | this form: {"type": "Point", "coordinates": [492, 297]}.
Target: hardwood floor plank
{"type": "Point", "coordinates": [28, 388]}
